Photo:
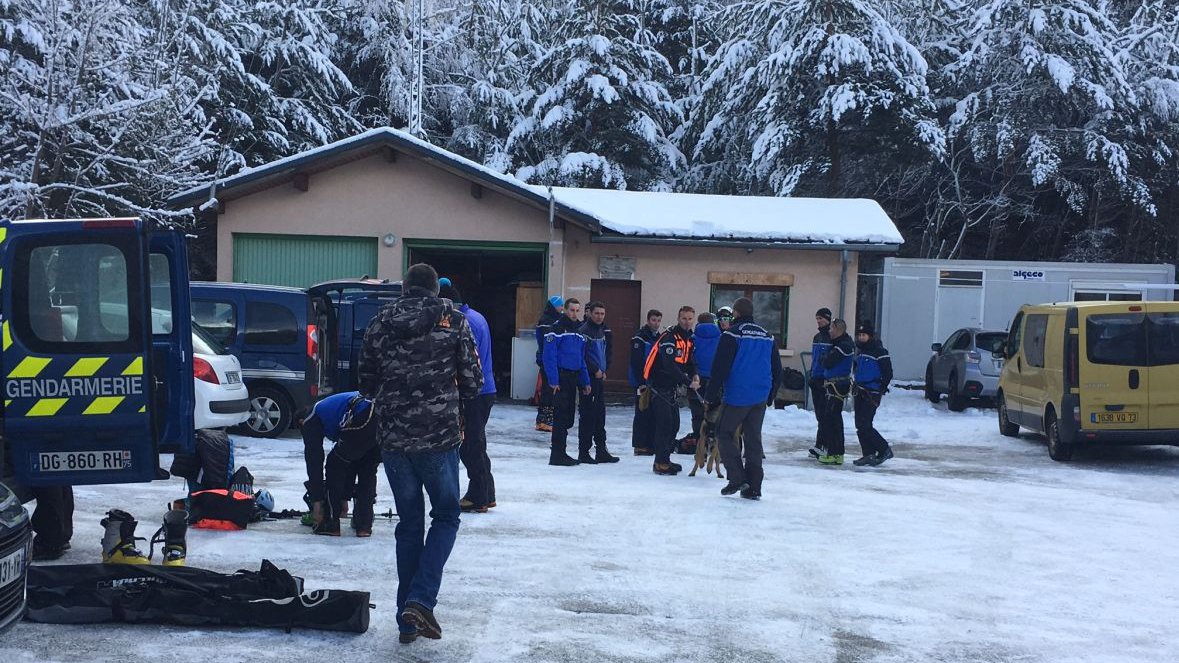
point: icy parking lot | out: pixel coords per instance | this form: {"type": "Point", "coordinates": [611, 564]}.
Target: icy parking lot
{"type": "Point", "coordinates": [967, 546]}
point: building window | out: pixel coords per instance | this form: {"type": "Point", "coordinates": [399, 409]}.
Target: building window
{"type": "Point", "coordinates": [771, 305]}
{"type": "Point", "coordinates": [957, 278]}
{"type": "Point", "coordinates": [1098, 296]}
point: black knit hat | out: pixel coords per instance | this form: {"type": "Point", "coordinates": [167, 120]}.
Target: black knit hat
{"type": "Point", "coordinates": [423, 277]}
{"type": "Point", "coordinates": [866, 328]}
{"type": "Point", "coordinates": [450, 291]}
{"type": "Point", "coordinates": [824, 313]}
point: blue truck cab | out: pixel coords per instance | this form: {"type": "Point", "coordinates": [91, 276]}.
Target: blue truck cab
{"type": "Point", "coordinates": [97, 351]}
{"type": "Point", "coordinates": [274, 332]}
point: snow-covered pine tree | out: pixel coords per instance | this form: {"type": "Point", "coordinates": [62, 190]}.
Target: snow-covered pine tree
{"type": "Point", "coordinates": [375, 52]}
{"type": "Point", "coordinates": [811, 97]}
{"type": "Point", "coordinates": [601, 113]}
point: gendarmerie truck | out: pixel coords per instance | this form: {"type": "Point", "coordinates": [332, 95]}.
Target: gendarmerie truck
{"type": "Point", "coordinates": [96, 368]}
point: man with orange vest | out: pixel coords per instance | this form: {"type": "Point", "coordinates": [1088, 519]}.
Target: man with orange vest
{"type": "Point", "coordinates": [670, 365]}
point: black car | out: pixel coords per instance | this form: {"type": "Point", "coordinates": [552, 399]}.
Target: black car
{"type": "Point", "coordinates": [15, 551]}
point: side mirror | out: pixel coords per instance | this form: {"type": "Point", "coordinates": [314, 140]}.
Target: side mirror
{"type": "Point", "coordinates": [936, 347]}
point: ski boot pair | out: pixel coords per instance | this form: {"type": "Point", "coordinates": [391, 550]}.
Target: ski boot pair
{"type": "Point", "coordinates": [118, 541]}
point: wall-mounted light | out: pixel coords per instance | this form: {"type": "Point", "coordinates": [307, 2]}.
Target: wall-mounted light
{"type": "Point", "coordinates": [389, 240]}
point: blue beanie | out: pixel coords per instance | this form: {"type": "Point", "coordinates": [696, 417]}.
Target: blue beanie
{"type": "Point", "coordinates": [556, 301]}
{"type": "Point", "coordinates": [443, 282]}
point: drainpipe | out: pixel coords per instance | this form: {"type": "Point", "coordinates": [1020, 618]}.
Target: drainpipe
{"type": "Point", "coordinates": [554, 242]}
{"type": "Point", "coordinates": [844, 259]}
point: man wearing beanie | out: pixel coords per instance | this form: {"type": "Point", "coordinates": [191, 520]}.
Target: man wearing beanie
{"type": "Point", "coordinates": [873, 374]}
{"type": "Point", "coordinates": [837, 372]}
{"type": "Point", "coordinates": [819, 347]}
{"type": "Point", "coordinates": [473, 452]}
{"type": "Point", "coordinates": [553, 310]}
{"type": "Point", "coordinates": [417, 363]}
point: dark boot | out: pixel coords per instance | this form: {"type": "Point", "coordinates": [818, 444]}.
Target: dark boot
{"type": "Point", "coordinates": [880, 457]}
{"type": "Point", "coordinates": [328, 527]}
{"type": "Point", "coordinates": [559, 458]}
{"type": "Point", "coordinates": [734, 487]}
{"type": "Point", "coordinates": [421, 618]}
{"type": "Point", "coordinates": [172, 534]}
{"type": "Point", "coordinates": [118, 540]}
{"type": "Point", "coordinates": [584, 457]}
{"type": "Point", "coordinates": [750, 494]}
{"type": "Point", "coordinates": [604, 456]}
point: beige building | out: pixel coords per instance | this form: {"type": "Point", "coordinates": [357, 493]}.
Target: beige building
{"type": "Point", "coordinates": [372, 204]}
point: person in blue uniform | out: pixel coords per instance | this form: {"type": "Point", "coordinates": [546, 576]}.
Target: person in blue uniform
{"type": "Point", "coordinates": [566, 372]}
{"type": "Point", "coordinates": [873, 374]}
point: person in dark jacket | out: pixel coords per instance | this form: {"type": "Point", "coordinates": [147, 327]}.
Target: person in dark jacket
{"type": "Point", "coordinates": [565, 369]}
{"type": "Point", "coordinates": [745, 378]}
{"type": "Point", "coordinates": [553, 310]}
{"type": "Point", "coordinates": [642, 433]}
{"type": "Point", "coordinates": [480, 494]}
{"type": "Point", "coordinates": [417, 363]}
{"type": "Point", "coordinates": [873, 373]}
{"type": "Point", "coordinates": [705, 338]}
{"type": "Point", "coordinates": [591, 423]}
{"type": "Point", "coordinates": [819, 347]}
{"type": "Point", "coordinates": [351, 465]}
{"type": "Point", "coordinates": [837, 371]}
{"type": "Point", "coordinates": [669, 367]}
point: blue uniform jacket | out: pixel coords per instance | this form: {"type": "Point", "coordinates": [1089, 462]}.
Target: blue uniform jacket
{"type": "Point", "coordinates": [331, 410]}
{"type": "Point", "coordinates": [706, 338]}
{"type": "Point", "coordinates": [598, 342]}
{"type": "Point", "coordinates": [819, 347]}
{"type": "Point", "coordinates": [873, 366]}
{"type": "Point", "coordinates": [548, 317]}
{"type": "Point", "coordinates": [837, 363]}
{"type": "Point", "coordinates": [564, 350]}
{"type": "Point", "coordinates": [640, 347]}
{"type": "Point", "coordinates": [746, 366]}
{"type": "Point", "coordinates": [482, 334]}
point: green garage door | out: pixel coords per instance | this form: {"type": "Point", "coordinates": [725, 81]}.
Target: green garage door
{"type": "Point", "coordinates": [301, 260]}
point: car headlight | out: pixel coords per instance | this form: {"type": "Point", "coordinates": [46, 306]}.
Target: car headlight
{"type": "Point", "coordinates": [12, 513]}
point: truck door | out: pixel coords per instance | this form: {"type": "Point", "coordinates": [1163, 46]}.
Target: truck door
{"type": "Point", "coordinates": [1114, 368]}
{"type": "Point", "coordinates": [173, 392]}
{"type": "Point", "coordinates": [76, 340]}
{"type": "Point", "coordinates": [1164, 365]}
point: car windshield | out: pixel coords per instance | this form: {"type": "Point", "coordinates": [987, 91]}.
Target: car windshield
{"type": "Point", "coordinates": [204, 344]}
{"type": "Point", "coordinates": [989, 341]}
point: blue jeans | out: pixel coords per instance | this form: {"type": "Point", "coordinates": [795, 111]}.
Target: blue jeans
{"type": "Point", "coordinates": [419, 565]}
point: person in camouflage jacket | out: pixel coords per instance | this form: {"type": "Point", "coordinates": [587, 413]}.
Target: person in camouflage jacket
{"type": "Point", "coordinates": [417, 362]}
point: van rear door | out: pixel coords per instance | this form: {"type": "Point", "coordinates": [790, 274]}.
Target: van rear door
{"type": "Point", "coordinates": [1164, 359]}
{"type": "Point", "coordinates": [173, 392]}
{"type": "Point", "coordinates": [1115, 379]}
{"type": "Point", "coordinates": [76, 339]}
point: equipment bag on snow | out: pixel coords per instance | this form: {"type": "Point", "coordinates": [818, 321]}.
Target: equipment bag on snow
{"type": "Point", "coordinates": [221, 509]}
{"type": "Point", "coordinates": [211, 466]}
{"type": "Point", "coordinates": [270, 598]}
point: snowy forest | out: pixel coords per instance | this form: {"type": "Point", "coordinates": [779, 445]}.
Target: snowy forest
{"type": "Point", "coordinates": [1037, 129]}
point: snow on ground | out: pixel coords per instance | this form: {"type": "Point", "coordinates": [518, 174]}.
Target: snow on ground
{"type": "Point", "coordinates": [966, 547]}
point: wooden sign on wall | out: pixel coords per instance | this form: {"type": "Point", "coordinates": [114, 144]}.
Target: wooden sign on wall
{"type": "Point", "coordinates": [750, 278]}
{"type": "Point", "coordinates": [616, 267]}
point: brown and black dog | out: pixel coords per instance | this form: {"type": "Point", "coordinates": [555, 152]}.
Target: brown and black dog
{"type": "Point", "coordinates": [707, 449]}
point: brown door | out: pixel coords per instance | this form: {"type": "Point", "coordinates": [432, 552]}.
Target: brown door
{"type": "Point", "coordinates": [623, 300]}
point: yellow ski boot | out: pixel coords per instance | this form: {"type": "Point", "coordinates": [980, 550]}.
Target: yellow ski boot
{"type": "Point", "coordinates": [118, 542]}
{"type": "Point", "coordinates": [172, 535]}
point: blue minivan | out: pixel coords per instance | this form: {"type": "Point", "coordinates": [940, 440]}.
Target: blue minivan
{"type": "Point", "coordinates": [295, 346]}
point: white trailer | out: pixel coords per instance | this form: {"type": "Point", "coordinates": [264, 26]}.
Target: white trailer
{"type": "Point", "coordinates": [923, 301]}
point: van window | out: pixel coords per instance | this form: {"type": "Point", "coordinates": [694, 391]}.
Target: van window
{"type": "Point", "coordinates": [78, 293]}
{"type": "Point", "coordinates": [216, 318]}
{"type": "Point", "coordinates": [1015, 335]}
{"type": "Point", "coordinates": [1118, 339]}
{"type": "Point", "coordinates": [160, 275]}
{"type": "Point", "coordinates": [1164, 339]}
{"type": "Point", "coordinates": [270, 324]}
{"type": "Point", "coordinates": [1036, 331]}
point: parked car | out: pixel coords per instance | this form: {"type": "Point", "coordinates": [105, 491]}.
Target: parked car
{"type": "Point", "coordinates": [964, 367]}
{"type": "Point", "coordinates": [15, 551]}
{"type": "Point", "coordinates": [222, 399]}
{"type": "Point", "coordinates": [273, 332]}
{"type": "Point", "coordinates": [1092, 373]}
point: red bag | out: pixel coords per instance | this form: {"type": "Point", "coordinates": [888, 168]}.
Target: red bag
{"type": "Point", "coordinates": [221, 509]}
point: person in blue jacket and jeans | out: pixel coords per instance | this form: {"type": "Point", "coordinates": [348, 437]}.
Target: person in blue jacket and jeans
{"type": "Point", "coordinates": [745, 378]}
{"type": "Point", "coordinates": [591, 424]}
{"type": "Point", "coordinates": [565, 369]}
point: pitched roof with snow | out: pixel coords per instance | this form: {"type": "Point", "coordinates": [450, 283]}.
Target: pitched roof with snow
{"type": "Point", "coordinates": [694, 218]}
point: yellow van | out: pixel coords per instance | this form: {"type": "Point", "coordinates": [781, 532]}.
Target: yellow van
{"type": "Point", "coordinates": [1092, 373]}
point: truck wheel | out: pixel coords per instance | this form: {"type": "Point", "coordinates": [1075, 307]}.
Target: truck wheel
{"type": "Point", "coordinates": [1006, 428]}
{"type": "Point", "coordinates": [931, 394]}
{"type": "Point", "coordinates": [270, 413]}
{"type": "Point", "coordinates": [955, 401]}
{"type": "Point", "coordinates": [1057, 449]}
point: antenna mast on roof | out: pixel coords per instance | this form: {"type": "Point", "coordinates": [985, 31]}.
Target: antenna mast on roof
{"type": "Point", "coordinates": [417, 21]}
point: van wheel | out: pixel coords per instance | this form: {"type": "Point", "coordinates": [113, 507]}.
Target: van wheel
{"type": "Point", "coordinates": [931, 394]}
{"type": "Point", "coordinates": [270, 413]}
{"type": "Point", "coordinates": [1006, 428]}
{"type": "Point", "coordinates": [1057, 449]}
{"type": "Point", "coordinates": [955, 401]}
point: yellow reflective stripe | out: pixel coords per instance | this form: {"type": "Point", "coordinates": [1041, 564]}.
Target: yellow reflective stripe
{"type": "Point", "coordinates": [7, 336]}
{"type": "Point", "coordinates": [29, 367]}
{"type": "Point", "coordinates": [8, 403]}
{"type": "Point", "coordinates": [104, 405]}
{"type": "Point", "coordinates": [87, 367]}
{"type": "Point", "coordinates": [46, 407]}
{"type": "Point", "coordinates": [135, 368]}
{"type": "Point", "coordinates": [3, 234]}
{"type": "Point", "coordinates": [142, 409]}
{"type": "Point", "coordinates": [1, 278]}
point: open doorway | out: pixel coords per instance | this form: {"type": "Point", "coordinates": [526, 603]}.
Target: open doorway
{"type": "Point", "coordinates": [490, 276]}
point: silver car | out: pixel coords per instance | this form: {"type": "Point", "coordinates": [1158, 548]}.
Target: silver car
{"type": "Point", "coordinates": [964, 368]}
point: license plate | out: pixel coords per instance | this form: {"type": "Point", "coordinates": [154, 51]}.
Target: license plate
{"type": "Point", "coordinates": [12, 566]}
{"type": "Point", "coordinates": [233, 377]}
{"type": "Point", "coordinates": [1114, 417]}
{"type": "Point", "coordinates": [82, 461]}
